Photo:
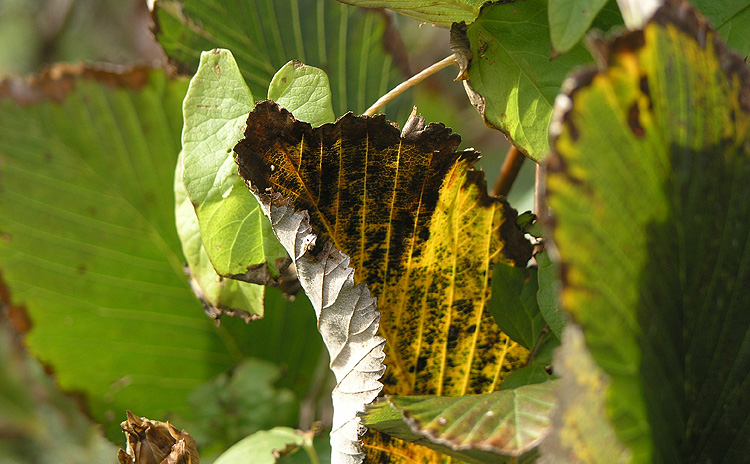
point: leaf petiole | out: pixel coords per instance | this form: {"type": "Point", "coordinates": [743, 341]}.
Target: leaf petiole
{"type": "Point", "coordinates": [412, 81]}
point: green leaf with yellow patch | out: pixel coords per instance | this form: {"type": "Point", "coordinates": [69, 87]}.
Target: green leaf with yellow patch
{"type": "Point", "coordinates": [648, 183]}
{"type": "Point", "coordinates": [474, 428]}
{"type": "Point", "coordinates": [414, 222]}
{"type": "Point", "coordinates": [581, 431]}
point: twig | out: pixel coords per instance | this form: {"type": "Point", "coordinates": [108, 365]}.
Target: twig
{"type": "Point", "coordinates": [508, 172]}
{"type": "Point", "coordinates": [542, 335]}
{"type": "Point", "coordinates": [417, 78]}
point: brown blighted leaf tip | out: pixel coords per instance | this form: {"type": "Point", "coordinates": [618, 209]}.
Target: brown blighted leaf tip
{"type": "Point", "coordinates": [57, 81]}
{"type": "Point", "coordinates": [269, 127]}
{"type": "Point", "coordinates": [15, 314]}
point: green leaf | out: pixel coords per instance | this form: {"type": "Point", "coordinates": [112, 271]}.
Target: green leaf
{"type": "Point", "coordinates": [263, 447]}
{"type": "Point", "coordinates": [440, 12]}
{"type": "Point", "coordinates": [649, 185]}
{"type": "Point", "coordinates": [236, 235]}
{"type": "Point", "coordinates": [569, 20]}
{"type": "Point", "coordinates": [476, 428]}
{"type": "Point", "coordinates": [89, 244]}
{"type": "Point", "coordinates": [581, 431]}
{"type": "Point", "coordinates": [731, 19]}
{"type": "Point", "coordinates": [345, 42]}
{"type": "Point", "coordinates": [513, 75]}
{"type": "Point", "coordinates": [304, 91]}
{"type": "Point", "coordinates": [547, 296]}
{"type": "Point", "coordinates": [513, 303]}
{"type": "Point", "coordinates": [218, 294]}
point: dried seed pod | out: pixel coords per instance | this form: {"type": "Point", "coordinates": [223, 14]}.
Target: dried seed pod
{"type": "Point", "coordinates": [155, 442]}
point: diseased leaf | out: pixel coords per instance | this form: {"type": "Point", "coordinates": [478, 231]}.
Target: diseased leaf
{"type": "Point", "coordinates": [569, 20]}
{"type": "Point", "coordinates": [514, 304]}
{"type": "Point", "coordinates": [440, 12]}
{"type": "Point", "coordinates": [581, 431]}
{"type": "Point", "coordinates": [648, 184]}
{"type": "Point", "coordinates": [502, 423]}
{"type": "Point", "coordinates": [348, 43]}
{"type": "Point", "coordinates": [419, 230]}
{"type": "Point", "coordinates": [236, 235]}
{"type": "Point", "coordinates": [512, 81]}
{"type": "Point", "coordinates": [264, 447]}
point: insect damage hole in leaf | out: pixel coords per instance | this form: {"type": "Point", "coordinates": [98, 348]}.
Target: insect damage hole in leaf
{"type": "Point", "coordinates": [414, 222]}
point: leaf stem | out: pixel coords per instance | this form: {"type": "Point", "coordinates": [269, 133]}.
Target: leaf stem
{"type": "Point", "coordinates": [542, 335]}
{"type": "Point", "coordinates": [311, 453]}
{"type": "Point", "coordinates": [508, 172]}
{"type": "Point", "coordinates": [412, 81]}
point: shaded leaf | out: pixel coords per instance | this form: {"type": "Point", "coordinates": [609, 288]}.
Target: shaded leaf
{"type": "Point", "coordinates": [547, 296]}
{"type": "Point", "coordinates": [238, 403]}
{"type": "Point", "coordinates": [514, 304]}
{"type": "Point", "coordinates": [346, 42]}
{"type": "Point", "coordinates": [539, 368]}
{"type": "Point", "coordinates": [648, 181]}
{"type": "Point", "coordinates": [440, 12]}
{"type": "Point", "coordinates": [264, 447]}
{"type": "Point", "coordinates": [236, 235]}
{"type": "Point", "coordinates": [512, 73]}
{"type": "Point", "coordinates": [731, 19]}
{"type": "Point", "coordinates": [569, 20]}
{"type": "Point", "coordinates": [581, 431]}
{"type": "Point", "coordinates": [432, 292]}
{"type": "Point", "coordinates": [505, 423]}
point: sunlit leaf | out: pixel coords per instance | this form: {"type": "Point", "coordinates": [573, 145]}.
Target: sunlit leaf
{"type": "Point", "coordinates": [512, 73]}
{"type": "Point", "coordinates": [502, 423]}
{"type": "Point", "coordinates": [218, 294]}
{"type": "Point", "coordinates": [90, 249]}
{"type": "Point", "coordinates": [236, 235]}
{"type": "Point", "coordinates": [346, 42]}
{"type": "Point", "coordinates": [441, 12]}
{"type": "Point", "coordinates": [569, 20]}
{"type": "Point", "coordinates": [264, 447]}
{"type": "Point", "coordinates": [416, 226]}
{"type": "Point", "coordinates": [304, 91]}
{"type": "Point", "coordinates": [649, 183]}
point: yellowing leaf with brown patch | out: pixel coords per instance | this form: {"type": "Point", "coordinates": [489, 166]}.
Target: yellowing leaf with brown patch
{"type": "Point", "coordinates": [413, 220]}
